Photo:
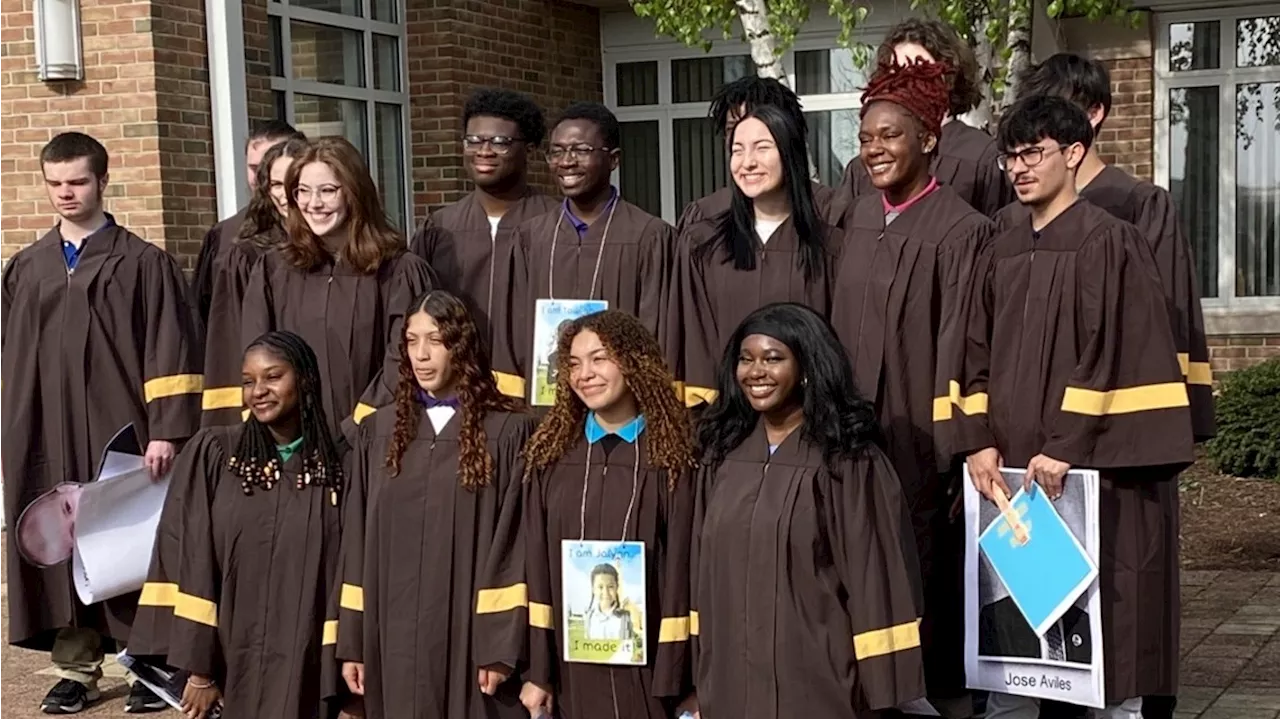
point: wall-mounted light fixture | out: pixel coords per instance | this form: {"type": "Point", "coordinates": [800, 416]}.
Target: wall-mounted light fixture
{"type": "Point", "coordinates": [58, 42]}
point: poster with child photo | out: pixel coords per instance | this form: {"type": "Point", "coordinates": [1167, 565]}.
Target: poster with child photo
{"type": "Point", "coordinates": [604, 602]}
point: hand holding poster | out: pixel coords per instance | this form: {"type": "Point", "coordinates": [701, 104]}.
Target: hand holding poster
{"type": "Point", "coordinates": [1032, 609]}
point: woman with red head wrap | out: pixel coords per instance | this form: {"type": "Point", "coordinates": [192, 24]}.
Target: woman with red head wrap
{"type": "Point", "coordinates": [908, 256]}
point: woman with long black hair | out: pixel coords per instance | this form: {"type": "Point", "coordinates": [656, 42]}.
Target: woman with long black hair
{"type": "Point", "coordinates": [247, 548]}
{"type": "Point", "coordinates": [806, 590]}
{"type": "Point", "coordinates": [771, 246]}
{"type": "Point", "coordinates": [432, 478]}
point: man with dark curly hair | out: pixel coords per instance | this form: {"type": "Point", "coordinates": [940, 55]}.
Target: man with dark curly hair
{"type": "Point", "coordinates": [469, 243]}
{"type": "Point", "coordinates": [966, 156]}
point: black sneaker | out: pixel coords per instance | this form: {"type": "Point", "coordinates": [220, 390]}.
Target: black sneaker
{"type": "Point", "coordinates": [68, 697]}
{"type": "Point", "coordinates": [143, 701]}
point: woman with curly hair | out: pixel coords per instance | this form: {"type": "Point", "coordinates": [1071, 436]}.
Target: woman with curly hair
{"type": "Point", "coordinates": [610, 462]}
{"type": "Point", "coordinates": [261, 231]}
{"type": "Point", "coordinates": [966, 156]}
{"type": "Point", "coordinates": [247, 548]}
{"type": "Point", "coordinates": [899, 309]}
{"type": "Point", "coordinates": [432, 478]}
{"type": "Point", "coordinates": [806, 591]}
{"type": "Point", "coordinates": [342, 279]}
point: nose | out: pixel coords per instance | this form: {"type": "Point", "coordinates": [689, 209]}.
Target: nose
{"type": "Point", "coordinates": [755, 370]}
{"type": "Point", "coordinates": [258, 390]}
{"type": "Point", "coordinates": [314, 202]}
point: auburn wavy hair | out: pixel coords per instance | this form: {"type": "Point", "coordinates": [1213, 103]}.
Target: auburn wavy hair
{"type": "Point", "coordinates": [370, 237]}
{"type": "Point", "coordinates": [668, 434]}
{"type": "Point", "coordinates": [477, 391]}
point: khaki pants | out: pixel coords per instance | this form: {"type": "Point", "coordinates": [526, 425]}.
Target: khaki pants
{"type": "Point", "coordinates": [1008, 706]}
{"type": "Point", "coordinates": [77, 655]}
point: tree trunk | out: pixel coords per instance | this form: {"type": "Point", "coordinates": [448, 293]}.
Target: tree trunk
{"type": "Point", "coordinates": [1019, 44]}
{"type": "Point", "coordinates": [754, 16]}
{"type": "Point", "coordinates": [983, 116]}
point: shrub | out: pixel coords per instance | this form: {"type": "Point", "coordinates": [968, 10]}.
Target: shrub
{"type": "Point", "coordinates": [1248, 411]}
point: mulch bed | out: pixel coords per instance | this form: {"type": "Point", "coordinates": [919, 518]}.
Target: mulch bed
{"type": "Point", "coordinates": [1229, 522]}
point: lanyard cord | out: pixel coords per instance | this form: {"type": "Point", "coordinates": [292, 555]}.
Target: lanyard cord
{"type": "Point", "coordinates": [635, 485]}
{"type": "Point", "coordinates": [551, 262]}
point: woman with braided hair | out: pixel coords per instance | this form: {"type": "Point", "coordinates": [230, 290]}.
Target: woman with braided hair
{"type": "Point", "coordinates": [608, 465]}
{"type": "Point", "coordinates": [247, 548]}
{"type": "Point", "coordinates": [433, 478]}
{"type": "Point", "coordinates": [909, 256]}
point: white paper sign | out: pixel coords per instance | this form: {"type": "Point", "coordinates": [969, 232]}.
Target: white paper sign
{"type": "Point", "coordinates": [603, 588]}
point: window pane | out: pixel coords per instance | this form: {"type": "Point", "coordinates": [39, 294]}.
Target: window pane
{"type": "Point", "coordinates": [1258, 42]}
{"type": "Point", "coordinates": [1257, 190]}
{"type": "Point", "coordinates": [822, 72]}
{"type": "Point", "coordinates": [320, 116]}
{"type": "Point", "coordinates": [833, 142]}
{"type": "Point", "coordinates": [282, 107]}
{"type": "Point", "coordinates": [327, 54]}
{"type": "Point", "coordinates": [698, 79]}
{"type": "Point", "coordinates": [386, 10]}
{"type": "Point", "coordinates": [637, 83]}
{"type": "Point", "coordinates": [277, 47]}
{"type": "Point", "coordinates": [386, 63]}
{"type": "Point", "coordinates": [1193, 175]}
{"type": "Point", "coordinates": [1194, 45]}
{"type": "Point", "coordinates": [346, 7]}
{"type": "Point", "coordinates": [640, 173]}
{"type": "Point", "coordinates": [701, 166]}
{"type": "Point", "coordinates": [390, 171]}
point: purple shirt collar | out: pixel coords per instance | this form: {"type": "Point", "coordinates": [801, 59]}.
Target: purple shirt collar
{"type": "Point", "coordinates": [577, 222]}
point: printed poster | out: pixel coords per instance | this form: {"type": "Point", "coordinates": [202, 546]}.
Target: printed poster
{"type": "Point", "coordinates": [551, 318]}
{"type": "Point", "coordinates": [1033, 616]}
{"type": "Point", "coordinates": [603, 586]}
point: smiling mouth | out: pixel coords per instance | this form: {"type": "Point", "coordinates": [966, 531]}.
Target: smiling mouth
{"type": "Point", "coordinates": [264, 406]}
{"type": "Point", "coordinates": [880, 168]}
{"type": "Point", "coordinates": [760, 391]}
{"type": "Point", "coordinates": [593, 389]}
{"type": "Point", "coordinates": [572, 179]}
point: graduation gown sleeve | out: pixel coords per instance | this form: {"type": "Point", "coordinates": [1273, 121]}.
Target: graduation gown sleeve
{"type": "Point", "coordinates": [346, 607]}
{"type": "Point", "coordinates": [874, 554]}
{"type": "Point", "coordinates": [223, 401]}
{"type": "Point", "coordinates": [1157, 219]}
{"type": "Point", "coordinates": [543, 645]}
{"type": "Point", "coordinates": [961, 400]}
{"type": "Point", "coordinates": [699, 355]}
{"type": "Point", "coordinates": [1126, 397]}
{"type": "Point", "coordinates": [502, 595]}
{"type": "Point", "coordinates": [172, 380]}
{"type": "Point", "coordinates": [673, 666]}
{"type": "Point", "coordinates": [513, 326]}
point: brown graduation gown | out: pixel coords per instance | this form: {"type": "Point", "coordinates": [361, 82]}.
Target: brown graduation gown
{"type": "Point", "coordinates": [239, 583]}
{"type": "Point", "coordinates": [806, 585]}
{"type": "Point", "coordinates": [354, 323]}
{"type": "Point", "coordinates": [712, 297]}
{"type": "Point", "coordinates": [222, 403]}
{"type": "Point", "coordinates": [85, 353]}
{"type": "Point", "coordinates": [717, 203]}
{"type": "Point", "coordinates": [471, 261]}
{"type": "Point", "coordinates": [1069, 354]}
{"type": "Point", "coordinates": [662, 519]}
{"type": "Point", "coordinates": [213, 252]}
{"type": "Point", "coordinates": [965, 161]}
{"type": "Point", "coordinates": [898, 308]}
{"type": "Point", "coordinates": [414, 549]}
{"type": "Point", "coordinates": [635, 272]}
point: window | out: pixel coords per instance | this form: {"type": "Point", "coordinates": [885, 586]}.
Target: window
{"type": "Point", "coordinates": [338, 68]}
{"type": "Point", "coordinates": [1218, 148]}
{"type": "Point", "coordinates": [671, 155]}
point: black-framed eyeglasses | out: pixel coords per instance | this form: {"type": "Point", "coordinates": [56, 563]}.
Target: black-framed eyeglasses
{"type": "Point", "coordinates": [576, 152]}
{"type": "Point", "coordinates": [1030, 156]}
{"type": "Point", "coordinates": [500, 144]}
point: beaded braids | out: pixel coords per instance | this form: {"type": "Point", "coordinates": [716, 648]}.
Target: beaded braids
{"type": "Point", "coordinates": [256, 461]}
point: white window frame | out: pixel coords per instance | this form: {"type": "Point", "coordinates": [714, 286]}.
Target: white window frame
{"type": "Point", "coordinates": [1226, 313]}
{"type": "Point", "coordinates": [368, 95]}
{"type": "Point", "coordinates": [664, 52]}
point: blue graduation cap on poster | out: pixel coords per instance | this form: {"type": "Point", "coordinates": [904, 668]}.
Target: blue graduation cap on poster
{"type": "Point", "coordinates": [1046, 573]}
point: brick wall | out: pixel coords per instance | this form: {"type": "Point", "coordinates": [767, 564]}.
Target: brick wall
{"type": "Point", "coordinates": [1126, 140]}
{"type": "Point", "coordinates": [1238, 352]}
{"type": "Point", "coordinates": [145, 96]}
{"type": "Point", "coordinates": [545, 48]}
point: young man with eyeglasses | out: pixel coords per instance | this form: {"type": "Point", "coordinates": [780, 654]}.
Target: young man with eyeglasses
{"type": "Point", "coordinates": [97, 335]}
{"type": "Point", "coordinates": [219, 239]}
{"type": "Point", "coordinates": [1069, 362]}
{"type": "Point", "coordinates": [469, 243]}
{"type": "Point", "coordinates": [594, 244]}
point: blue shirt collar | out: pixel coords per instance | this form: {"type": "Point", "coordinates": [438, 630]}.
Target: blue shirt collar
{"type": "Point", "coordinates": [629, 432]}
{"type": "Point", "coordinates": [71, 253]}
{"type": "Point", "coordinates": [577, 222]}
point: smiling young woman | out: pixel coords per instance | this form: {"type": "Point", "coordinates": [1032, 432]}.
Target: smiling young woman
{"type": "Point", "coordinates": [440, 469]}
{"type": "Point", "coordinates": [770, 246]}
{"type": "Point", "coordinates": [800, 536]}
{"type": "Point", "coordinates": [593, 477]}
{"type": "Point", "coordinates": [909, 252]}
{"type": "Point", "coordinates": [342, 279]}
{"type": "Point", "coordinates": [247, 547]}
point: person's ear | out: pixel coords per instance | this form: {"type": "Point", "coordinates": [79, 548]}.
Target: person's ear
{"type": "Point", "coordinates": [1097, 113]}
{"type": "Point", "coordinates": [615, 155]}
{"type": "Point", "coordinates": [928, 142]}
{"type": "Point", "coordinates": [1075, 155]}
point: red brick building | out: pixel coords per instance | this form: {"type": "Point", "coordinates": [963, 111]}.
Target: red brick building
{"type": "Point", "coordinates": [171, 86]}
